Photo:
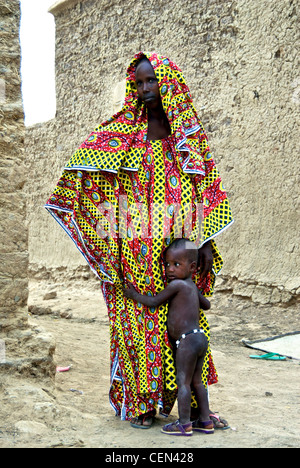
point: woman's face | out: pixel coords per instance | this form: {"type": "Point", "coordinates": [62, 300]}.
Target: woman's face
{"type": "Point", "coordinates": [147, 85]}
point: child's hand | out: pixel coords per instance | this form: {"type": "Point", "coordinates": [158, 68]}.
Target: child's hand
{"type": "Point", "coordinates": [129, 291]}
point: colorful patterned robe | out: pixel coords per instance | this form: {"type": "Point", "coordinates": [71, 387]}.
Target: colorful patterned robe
{"type": "Point", "coordinates": [123, 199]}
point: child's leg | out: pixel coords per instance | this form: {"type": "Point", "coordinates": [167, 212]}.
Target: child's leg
{"type": "Point", "coordinates": [203, 423]}
{"type": "Point", "coordinates": [186, 360]}
{"type": "Point", "coordinates": [200, 391]}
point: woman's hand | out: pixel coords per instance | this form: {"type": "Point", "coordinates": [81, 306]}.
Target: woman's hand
{"type": "Point", "coordinates": [205, 259]}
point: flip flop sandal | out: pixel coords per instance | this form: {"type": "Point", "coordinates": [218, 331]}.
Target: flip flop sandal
{"type": "Point", "coordinates": [201, 426]}
{"type": "Point", "coordinates": [222, 421]}
{"type": "Point", "coordinates": [142, 425]}
{"type": "Point", "coordinates": [177, 429]}
{"type": "Point", "coordinates": [269, 357]}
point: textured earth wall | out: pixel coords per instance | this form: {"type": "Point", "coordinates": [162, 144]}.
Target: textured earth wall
{"type": "Point", "coordinates": [22, 349]}
{"type": "Point", "coordinates": [240, 62]}
{"type": "Point", "coordinates": [13, 247]}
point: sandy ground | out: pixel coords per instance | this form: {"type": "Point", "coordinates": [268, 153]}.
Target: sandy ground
{"type": "Point", "coordinates": [259, 398]}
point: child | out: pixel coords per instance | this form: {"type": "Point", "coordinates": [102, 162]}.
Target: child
{"type": "Point", "coordinates": [183, 327]}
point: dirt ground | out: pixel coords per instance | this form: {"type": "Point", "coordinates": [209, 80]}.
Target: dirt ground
{"type": "Point", "coordinates": [259, 398]}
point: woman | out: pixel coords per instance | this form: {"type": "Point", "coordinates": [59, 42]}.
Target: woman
{"type": "Point", "coordinates": [142, 178]}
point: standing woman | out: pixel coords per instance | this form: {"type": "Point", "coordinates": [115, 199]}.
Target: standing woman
{"type": "Point", "coordinates": [141, 179]}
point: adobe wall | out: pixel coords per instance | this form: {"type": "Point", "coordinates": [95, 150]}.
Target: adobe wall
{"type": "Point", "coordinates": [240, 63]}
{"type": "Point", "coordinates": [13, 247]}
{"type": "Point", "coordinates": [22, 349]}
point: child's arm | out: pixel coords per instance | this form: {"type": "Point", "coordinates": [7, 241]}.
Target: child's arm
{"type": "Point", "coordinates": [204, 303]}
{"type": "Point", "coordinates": [152, 301]}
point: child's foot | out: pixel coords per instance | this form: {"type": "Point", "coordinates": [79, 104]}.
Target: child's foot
{"type": "Point", "coordinates": [178, 429]}
{"type": "Point", "coordinates": [206, 427]}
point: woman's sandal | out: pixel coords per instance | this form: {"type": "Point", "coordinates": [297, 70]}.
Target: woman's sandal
{"type": "Point", "coordinates": [201, 426]}
{"type": "Point", "coordinates": [178, 429]}
{"type": "Point", "coordinates": [140, 421]}
{"type": "Point", "coordinates": [217, 420]}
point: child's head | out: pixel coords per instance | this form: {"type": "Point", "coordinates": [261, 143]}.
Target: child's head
{"type": "Point", "coordinates": [181, 258]}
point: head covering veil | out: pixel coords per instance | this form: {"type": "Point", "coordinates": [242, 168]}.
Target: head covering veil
{"type": "Point", "coordinates": [119, 142]}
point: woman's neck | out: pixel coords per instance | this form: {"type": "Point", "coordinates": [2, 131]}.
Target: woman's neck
{"type": "Point", "coordinates": [158, 125]}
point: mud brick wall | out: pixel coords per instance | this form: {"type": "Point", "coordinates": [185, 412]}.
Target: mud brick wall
{"type": "Point", "coordinates": [13, 226]}
{"type": "Point", "coordinates": [22, 349]}
{"type": "Point", "coordinates": [240, 61]}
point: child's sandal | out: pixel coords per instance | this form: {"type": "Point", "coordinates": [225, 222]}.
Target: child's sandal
{"type": "Point", "coordinates": [201, 426]}
{"type": "Point", "coordinates": [178, 429]}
